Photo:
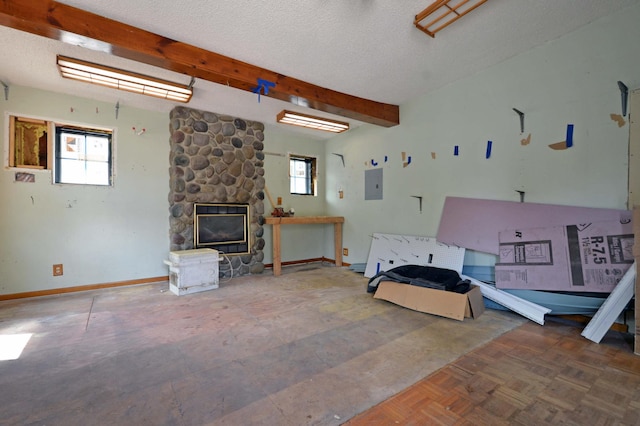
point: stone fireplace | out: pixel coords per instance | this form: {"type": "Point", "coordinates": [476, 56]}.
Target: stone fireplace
{"type": "Point", "coordinates": [216, 163]}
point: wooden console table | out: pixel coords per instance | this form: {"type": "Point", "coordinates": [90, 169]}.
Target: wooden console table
{"type": "Point", "coordinates": [303, 220]}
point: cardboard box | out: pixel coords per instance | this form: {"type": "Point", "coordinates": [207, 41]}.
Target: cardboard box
{"type": "Point", "coordinates": [438, 302]}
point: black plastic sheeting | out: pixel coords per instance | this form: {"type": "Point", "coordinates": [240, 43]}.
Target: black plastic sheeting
{"type": "Point", "coordinates": [422, 276]}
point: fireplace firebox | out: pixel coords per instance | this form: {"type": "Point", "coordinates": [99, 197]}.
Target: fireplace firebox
{"type": "Point", "coordinates": [222, 226]}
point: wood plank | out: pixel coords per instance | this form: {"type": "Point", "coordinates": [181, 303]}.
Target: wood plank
{"type": "Point", "coordinates": [337, 241]}
{"type": "Point", "coordinates": [277, 252]}
{"type": "Point", "coordinates": [55, 20]}
{"type": "Point", "coordinates": [301, 220]}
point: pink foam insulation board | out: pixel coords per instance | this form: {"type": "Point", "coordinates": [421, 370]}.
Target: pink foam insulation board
{"type": "Point", "coordinates": [590, 257]}
{"type": "Point", "coordinates": [475, 224]}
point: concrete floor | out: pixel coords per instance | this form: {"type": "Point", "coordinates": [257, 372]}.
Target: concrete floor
{"type": "Point", "coordinates": [310, 347]}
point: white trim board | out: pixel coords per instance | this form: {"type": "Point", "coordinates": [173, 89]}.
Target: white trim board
{"type": "Point", "coordinates": [612, 307]}
{"type": "Point", "coordinates": [527, 309]}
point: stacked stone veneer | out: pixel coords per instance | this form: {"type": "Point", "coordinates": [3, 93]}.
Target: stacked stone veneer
{"type": "Point", "coordinates": [216, 159]}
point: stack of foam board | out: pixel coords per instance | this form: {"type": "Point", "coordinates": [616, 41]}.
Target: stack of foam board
{"type": "Point", "coordinates": [604, 235]}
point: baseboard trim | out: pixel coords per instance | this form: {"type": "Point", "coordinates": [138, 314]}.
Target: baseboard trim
{"type": "Point", "coordinates": [63, 290]}
{"type": "Point", "coordinates": [303, 261]}
{"type": "Point", "coordinates": [75, 289]}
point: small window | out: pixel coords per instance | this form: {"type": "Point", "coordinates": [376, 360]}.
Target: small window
{"type": "Point", "coordinates": [82, 156]}
{"type": "Point", "coordinates": [302, 175]}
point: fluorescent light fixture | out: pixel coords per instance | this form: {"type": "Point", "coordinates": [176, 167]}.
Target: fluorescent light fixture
{"type": "Point", "coordinates": [441, 13]}
{"type": "Point", "coordinates": [304, 120]}
{"type": "Point", "coordinates": [123, 80]}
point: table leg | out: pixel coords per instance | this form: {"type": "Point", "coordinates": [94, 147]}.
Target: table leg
{"type": "Point", "coordinates": [277, 264]}
{"type": "Point", "coordinates": [337, 241]}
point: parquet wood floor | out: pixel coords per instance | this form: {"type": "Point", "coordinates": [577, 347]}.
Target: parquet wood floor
{"type": "Point", "coordinates": [533, 375]}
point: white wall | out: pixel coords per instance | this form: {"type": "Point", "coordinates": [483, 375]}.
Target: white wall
{"type": "Point", "coordinates": [570, 80]}
{"type": "Point", "coordinates": [299, 242]}
{"type": "Point", "coordinates": [105, 235]}
{"type": "Point", "coordinates": [99, 234]}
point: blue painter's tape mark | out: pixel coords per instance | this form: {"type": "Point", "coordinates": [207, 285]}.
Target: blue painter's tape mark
{"type": "Point", "coordinates": [455, 150]}
{"type": "Point", "coordinates": [263, 86]}
{"type": "Point", "coordinates": [373, 162]}
{"type": "Point", "coordinates": [489, 144]}
{"type": "Point", "coordinates": [267, 85]}
{"type": "Point", "coordinates": [569, 138]}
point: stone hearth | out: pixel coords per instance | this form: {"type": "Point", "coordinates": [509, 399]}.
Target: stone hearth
{"type": "Point", "coordinates": [216, 159]}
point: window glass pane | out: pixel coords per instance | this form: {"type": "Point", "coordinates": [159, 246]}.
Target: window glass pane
{"type": "Point", "coordinates": [72, 171]}
{"type": "Point", "coordinates": [97, 148]}
{"type": "Point", "coordinates": [301, 175]}
{"type": "Point", "coordinates": [299, 186]}
{"type": "Point", "coordinates": [72, 146]}
{"type": "Point", "coordinates": [301, 169]}
{"type": "Point", "coordinates": [97, 173]}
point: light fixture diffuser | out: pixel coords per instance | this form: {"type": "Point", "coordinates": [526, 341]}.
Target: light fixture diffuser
{"type": "Point", "coordinates": [311, 122]}
{"type": "Point", "coordinates": [124, 80]}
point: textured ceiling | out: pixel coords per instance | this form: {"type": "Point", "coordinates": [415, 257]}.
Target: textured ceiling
{"type": "Point", "coordinates": [366, 48]}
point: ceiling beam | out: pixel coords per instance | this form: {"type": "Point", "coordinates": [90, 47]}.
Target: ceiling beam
{"type": "Point", "coordinates": [59, 21]}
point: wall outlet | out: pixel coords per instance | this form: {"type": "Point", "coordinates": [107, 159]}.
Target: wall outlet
{"type": "Point", "coordinates": [345, 252]}
{"type": "Point", "coordinates": [57, 269]}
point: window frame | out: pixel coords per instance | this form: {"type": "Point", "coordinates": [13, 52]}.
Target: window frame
{"type": "Point", "coordinates": [311, 180]}
{"type": "Point", "coordinates": [61, 129]}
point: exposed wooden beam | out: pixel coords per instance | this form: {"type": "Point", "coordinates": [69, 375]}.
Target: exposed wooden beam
{"type": "Point", "coordinates": [57, 21]}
